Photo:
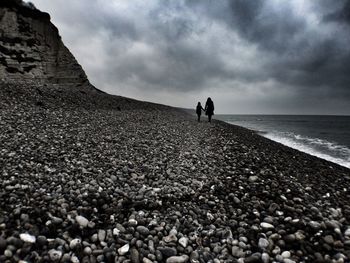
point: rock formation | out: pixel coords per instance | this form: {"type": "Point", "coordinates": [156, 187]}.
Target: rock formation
{"type": "Point", "coordinates": [31, 49]}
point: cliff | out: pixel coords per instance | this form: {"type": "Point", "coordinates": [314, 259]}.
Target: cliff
{"type": "Point", "coordinates": [31, 49]}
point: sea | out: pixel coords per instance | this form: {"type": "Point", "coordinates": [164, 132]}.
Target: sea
{"type": "Point", "coordinates": [327, 137]}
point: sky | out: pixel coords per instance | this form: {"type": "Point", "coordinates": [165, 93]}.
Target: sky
{"type": "Point", "coordinates": [249, 56]}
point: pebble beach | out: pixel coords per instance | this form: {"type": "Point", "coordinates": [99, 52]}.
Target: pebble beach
{"type": "Point", "coordinates": [101, 178]}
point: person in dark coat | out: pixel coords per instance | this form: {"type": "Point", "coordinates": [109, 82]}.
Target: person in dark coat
{"type": "Point", "coordinates": [209, 108]}
{"type": "Point", "coordinates": [199, 109]}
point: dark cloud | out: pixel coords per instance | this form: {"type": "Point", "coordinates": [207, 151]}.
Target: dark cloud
{"type": "Point", "coordinates": [340, 15]}
{"type": "Point", "coordinates": [246, 49]}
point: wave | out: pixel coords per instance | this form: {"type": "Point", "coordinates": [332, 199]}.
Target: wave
{"type": "Point", "coordinates": [314, 146]}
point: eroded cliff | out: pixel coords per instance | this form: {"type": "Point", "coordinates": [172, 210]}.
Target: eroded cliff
{"type": "Point", "coordinates": [31, 49]}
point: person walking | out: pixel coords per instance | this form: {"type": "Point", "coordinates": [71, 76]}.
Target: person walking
{"type": "Point", "coordinates": [199, 109]}
{"type": "Point", "coordinates": [209, 108]}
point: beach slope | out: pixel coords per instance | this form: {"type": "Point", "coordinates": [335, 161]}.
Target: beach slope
{"type": "Point", "coordinates": [100, 178]}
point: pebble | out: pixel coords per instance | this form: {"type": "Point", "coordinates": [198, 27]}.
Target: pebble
{"type": "Point", "coordinates": [75, 259]}
{"type": "Point", "coordinates": [253, 178]}
{"type": "Point", "coordinates": [142, 230]}
{"type": "Point", "coordinates": [178, 259]}
{"type": "Point", "coordinates": [27, 238]}
{"type": "Point", "coordinates": [170, 238]}
{"type": "Point", "coordinates": [286, 254]}
{"type": "Point", "coordinates": [315, 225]}
{"type": "Point", "coordinates": [265, 258]}
{"type": "Point", "coordinates": [8, 253]}
{"type": "Point", "coordinates": [167, 251]}
{"type": "Point", "coordinates": [347, 232]}
{"type": "Point", "coordinates": [329, 239]}
{"type": "Point", "coordinates": [237, 252]}
{"type": "Point", "coordinates": [134, 256]}
{"type": "Point", "coordinates": [290, 238]}
{"type": "Point", "coordinates": [14, 241]}
{"type": "Point", "coordinates": [183, 241]}
{"type": "Point", "coordinates": [75, 243]}
{"type": "Point", "coordinates": [87, 250]}
{"type": "Point", "coordinates": [132, 222]}
{"type": "Point", "coordinates": [266, 226]}
{"type": "Point", "coordinates": [82, 221]}
{"type": "Point", "coordinates": [55, 255]}
{"type": "Point", "coordinates": [124, 249]}
{"type": "Point", "coordinates": [263, 243]}
{"type": "Point", "coordinates": [101, 235]}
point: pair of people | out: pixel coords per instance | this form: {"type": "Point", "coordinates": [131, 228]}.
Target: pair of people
{"type": "Point", "coordinates": [209, 109]}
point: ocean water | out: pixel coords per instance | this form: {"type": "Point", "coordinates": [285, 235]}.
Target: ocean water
{"type": "Point", "coordinates": [327, 137]}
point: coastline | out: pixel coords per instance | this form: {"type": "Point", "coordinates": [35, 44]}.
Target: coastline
{"type": "Point", "coordinates": [92, 181]}
{"type": "Point", "coordinates": [333, 147]}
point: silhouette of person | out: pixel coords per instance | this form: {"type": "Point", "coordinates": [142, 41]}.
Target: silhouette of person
{"type": "Point", "coordinates": [209, 108]}
{"type": "Point", "coordinates": [199, 109]}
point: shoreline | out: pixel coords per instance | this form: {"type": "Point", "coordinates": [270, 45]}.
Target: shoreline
{"type": "Point", "coordinates": [299, 145]}
{"type": "Point", "coordinates": [147, 183]}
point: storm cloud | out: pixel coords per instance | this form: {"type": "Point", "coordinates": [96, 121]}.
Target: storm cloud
{"type": "Point", "coordinates": [250, 56]}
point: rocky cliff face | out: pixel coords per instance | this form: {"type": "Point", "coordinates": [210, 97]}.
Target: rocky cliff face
{"type": "Point", "coordinates": [31, 50]}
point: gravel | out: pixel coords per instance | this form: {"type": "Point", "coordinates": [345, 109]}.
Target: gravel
{"type": "Point", "coordinates": [148, 183]}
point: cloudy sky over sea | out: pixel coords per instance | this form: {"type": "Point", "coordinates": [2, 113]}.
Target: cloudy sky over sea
{"type": "Point", "coordinates": [250, 56]}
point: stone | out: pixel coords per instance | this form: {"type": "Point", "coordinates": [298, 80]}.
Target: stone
{"type": "Point", "coordinates": [27, 238]}
{"type": "Point", "coordinates": [167, 251]}
{"type": "Point", "coordinates": [147, 260]}
{"type": "Point", "coordinates": [266, 226]}
{"type": "Point", "coordinates": [263, 243]}
{"type": "Point", "coordinates": [347, 232]}
{"type": "Point", "coordinates": [55, 255]}
{"type": "Point", "coordinates": [87, 250]}
{"type": "Point", "coordinates": [237, 252]}
{"type": "Point", "coordinates": [329, 239]}
{"type": "Point", "coordinates": [183, 241]}
{"type": "Point", "coordinates": [101, 235]}
{"type": "Point", "coordinates": [124, 249]}
{"type": "Point", "coordinates": [82, 221]}
{"type": "Point", "coordinates": [286, 254]}
{"type": "Point", "coordinates": [265, 258]}
{"type": "Point", "coordinates": [8, 253]}
{"type": "Point", "coordinates": [170, 238]}
{"type": "Point", "coordinates": [132, 222]}
{"type": "Point", "coordinates": [74, 259]}
{"type": "Point", "coordinates": [290, 238]}
{"type": "Point", "coordinates": [178, 259]}
{"type": "Point", "coordinates": [142, 230]}
{"type": "Point", "coordinates": [299, 235]}
{"type": "Point", "coordinates": [315, 225]}
{"type": "Point", "coordinates": [253, 178]}
{"type": "Point", "coordinates": [75, 243]}
{"type": "Point", "coordinates": [134, 256]}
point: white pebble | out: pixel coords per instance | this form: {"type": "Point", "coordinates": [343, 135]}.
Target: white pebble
{"type": "Point", "coordinates": [74, 243]}
{"type": "Point", "coordinates": [82, 221]}
{"type": "Point", "coordinates": [286, 254]}
{"type": "Point", "coordinates": [183, 241]}
{"type": "Point", "coordinates": [27, 238]}
{"type": "Point", "coordinates": [265, 225]}
{"type": "Point", "coordinates": [124, 249]}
